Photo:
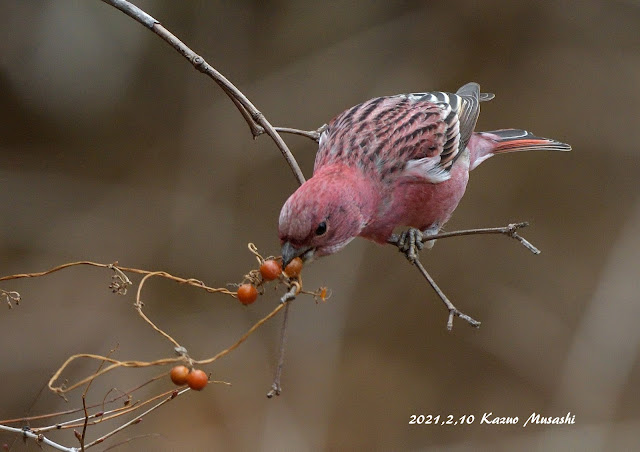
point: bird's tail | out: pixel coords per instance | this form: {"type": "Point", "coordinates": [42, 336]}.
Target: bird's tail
{"type": "Point", "coordinates": [483, 145]}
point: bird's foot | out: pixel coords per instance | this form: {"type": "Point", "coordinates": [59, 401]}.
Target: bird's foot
{"type": "Point", "coordinates": [410, 243]}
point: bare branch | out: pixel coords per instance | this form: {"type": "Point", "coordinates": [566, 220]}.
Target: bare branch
{"type": "Point", "coordinates": [26, 432]}
{"type": "Point", "coordinates": [256, 120]}
{"type": "Point", "coordinates": [276, 388]}
{"type": "Point", "coordinates": [509, 230]}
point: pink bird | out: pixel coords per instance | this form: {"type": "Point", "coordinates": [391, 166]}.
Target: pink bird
{"type": "Point", "coordinates": [394, 161]}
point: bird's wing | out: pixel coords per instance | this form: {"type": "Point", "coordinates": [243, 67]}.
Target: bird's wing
{"type": "Point", "coordinates": [420, 134]}
{"type": "Point", "coordinates": [460, 114]}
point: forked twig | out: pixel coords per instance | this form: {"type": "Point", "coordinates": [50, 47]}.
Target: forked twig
{"type": "Point", "coordinates": [509, 230]}
{"type": "Point", "coordinates": [453, 311]}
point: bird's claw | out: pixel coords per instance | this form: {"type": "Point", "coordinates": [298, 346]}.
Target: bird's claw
{"type": "Point", "coordinates": [410, 243]}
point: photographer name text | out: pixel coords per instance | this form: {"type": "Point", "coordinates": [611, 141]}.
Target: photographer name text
{"type": "Point", "coordinates": [489, 418]}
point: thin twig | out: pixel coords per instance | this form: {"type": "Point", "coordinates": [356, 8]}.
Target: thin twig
{"type": "Point", "coordinates": [244, 337]}
{"type": "Point", "coordinates": [311, 134]}
{"type": "Point", "coordinates": [114, 365]}
{"type": "Point", "coordinates": [453, 311]}
{"type": "Point", "coordinates": [102, 404]}
{"type": "Point", "coordinates": [84, 406]}
{"type": "Point", "coordinates": [118, 268]}
{"type": "Point", "coordinates": [38, 437]}
{"type": "Point", "coordinates": [53, 270]}
{"type": "Point", "coordinates": [122, 285]}
{"type": "Point", "coordinates": [509, 230]}
{"type": "Point", "coordinates": [112, 414]}
{"type": "Point", "coordinates": [138, 305]}
{"type": "Point", "coordinates": [276, 388]}
{"type": "Point", "coordinates": [133, 438]}
{"type": "Point", "coordinates": [136, 419]}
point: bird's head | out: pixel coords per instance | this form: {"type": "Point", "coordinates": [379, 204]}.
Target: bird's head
{"type": "Point", "coordinates": [321, 217]}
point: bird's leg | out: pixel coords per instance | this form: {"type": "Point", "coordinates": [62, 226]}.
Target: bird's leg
{"type": "Point", "coordinates": [413, 240]}
{"type": "Point", "coordinates": [453, 311]}
{"type": "Point", "coordinates": [410, 242]}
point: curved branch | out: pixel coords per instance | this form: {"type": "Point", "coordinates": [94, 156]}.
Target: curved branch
{"type": "Point", "coordinates": [256, 120]}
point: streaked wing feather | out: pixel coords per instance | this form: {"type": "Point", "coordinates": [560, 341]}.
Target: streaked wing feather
{"type": "Point", "coordinates": [423, 133]}
{"type": "Point", "coordinates": [469, 111]}
{"type": "Point", "coordinates": [461, 120]}
{"type": "Point", "coordinates": [449, 104]}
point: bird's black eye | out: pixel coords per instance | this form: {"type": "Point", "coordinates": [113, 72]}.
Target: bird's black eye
{"type": "Point", "coordinates": [322, 228]}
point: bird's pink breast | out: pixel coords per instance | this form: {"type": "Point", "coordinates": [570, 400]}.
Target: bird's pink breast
{"type": "Point", "coordinates": [411, 201]}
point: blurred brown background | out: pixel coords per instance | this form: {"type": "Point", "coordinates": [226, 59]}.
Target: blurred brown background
{"type": "Point", "coordinates": [113, 148]}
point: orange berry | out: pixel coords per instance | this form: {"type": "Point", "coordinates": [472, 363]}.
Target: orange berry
{"type": "Point", "coordinates": [179, 375]}
{"type": "Point", "coordinates": [270, 270]}
{"type": "Point", "coordinates": [247, 293]}
{"type": "Point", "coordinates": [197, 379]}
{"type": "Point", "coordinates": [294, 267]}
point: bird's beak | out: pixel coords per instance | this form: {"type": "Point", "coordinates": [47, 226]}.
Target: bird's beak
{"type": "Point", "coordinates": [289, 252]}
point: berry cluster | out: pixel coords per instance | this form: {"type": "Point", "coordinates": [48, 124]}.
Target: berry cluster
{"type": "Point", "coordinates": [195, 378]}
{"type": "Point", "coordinates": [270, 270]}
{"type": "Point", "coordinates": [247, 293]}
